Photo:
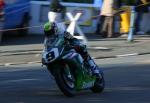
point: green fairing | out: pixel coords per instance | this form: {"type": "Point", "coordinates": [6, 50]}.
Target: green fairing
{"type": "Point", "coordinates": [82, 76]}
{"type": "Point", "coordinates": [74, 64]}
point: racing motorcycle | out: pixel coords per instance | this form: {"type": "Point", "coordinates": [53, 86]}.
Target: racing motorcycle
{"type": "Point", "coordinates": [69, 70]}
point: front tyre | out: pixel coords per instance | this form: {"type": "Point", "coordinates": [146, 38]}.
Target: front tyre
{"type": "Point", "coordinates": [99, 84]}
{"type": "Point", "coordinates": [65, 81]}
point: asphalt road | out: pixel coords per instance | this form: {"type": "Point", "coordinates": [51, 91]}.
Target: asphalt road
{"type": "Point", "coordinates": [126, 82]}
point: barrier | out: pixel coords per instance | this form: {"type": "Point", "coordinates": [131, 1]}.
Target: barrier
{"type": "Point", "coordinates": [86, 22]}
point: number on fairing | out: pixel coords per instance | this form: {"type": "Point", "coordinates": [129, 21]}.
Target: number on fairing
{"type": "Point", "coordinates": [56, 52]}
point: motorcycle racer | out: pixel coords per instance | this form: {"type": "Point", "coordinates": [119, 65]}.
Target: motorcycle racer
{"type": "Point", "coordinates": [51, 31]}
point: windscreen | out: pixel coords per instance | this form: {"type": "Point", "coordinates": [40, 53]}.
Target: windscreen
{"type": "Point", "coordinates": [54, 41]}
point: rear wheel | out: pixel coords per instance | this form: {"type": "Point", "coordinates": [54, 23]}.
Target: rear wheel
{"type": "Point", "coordinates": [65, 81]}
{"type": "Point", "coordinates": [99, 84]}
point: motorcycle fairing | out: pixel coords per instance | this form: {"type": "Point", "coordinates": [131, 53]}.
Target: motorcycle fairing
{"type": "Point", "coordinates": [83, 79]}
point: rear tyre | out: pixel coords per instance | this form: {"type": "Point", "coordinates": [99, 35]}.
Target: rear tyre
{"type": "Point", "coordinates": [65, 81]}
{"type": "Point", "coordinates": [99, 84]}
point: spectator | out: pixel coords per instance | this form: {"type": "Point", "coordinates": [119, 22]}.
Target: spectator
{"type": "Point", "coordinates": [57, 11]}
{"type": "Point", "coordinates": [55, 6]}
{"type": "Point", "coordinates": [107, 17]}
{"type": "Point", "coordinates": [57, 14]}
{"type": "Point", "coordinates": [99, 18]}
{"type": "Point", "coordinates": [141, 10]}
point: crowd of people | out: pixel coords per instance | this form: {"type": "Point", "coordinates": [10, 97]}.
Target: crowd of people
{"type": "Point", "coordinates": [110, 9]}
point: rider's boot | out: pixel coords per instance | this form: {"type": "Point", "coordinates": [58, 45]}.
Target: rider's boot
{"type": "Point", "coordinates": [94, 68]}
{"type": "Point", "coordinates": [95, 71]}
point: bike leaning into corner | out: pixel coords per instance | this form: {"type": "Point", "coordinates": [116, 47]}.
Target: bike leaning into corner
{"type": "Point", "coordinates": [68, 61]}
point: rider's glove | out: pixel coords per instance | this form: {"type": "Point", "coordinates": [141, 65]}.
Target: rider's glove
{"type": "Point", "coordinates": [68, 36]}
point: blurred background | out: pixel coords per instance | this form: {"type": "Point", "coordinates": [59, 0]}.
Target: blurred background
{"type": "Point", "coordinates": [27, 17]}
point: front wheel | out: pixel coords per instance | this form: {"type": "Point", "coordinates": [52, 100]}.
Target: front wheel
{"type": "Point", "coordinates": [65, 81]}
{"type": "Point", "coordinates": [99, 84]}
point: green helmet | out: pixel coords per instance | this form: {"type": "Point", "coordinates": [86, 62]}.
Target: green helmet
{"type": "Point", "coordinates": [47, 26]}
{"type": "Point", "coordinates": [50, 29]}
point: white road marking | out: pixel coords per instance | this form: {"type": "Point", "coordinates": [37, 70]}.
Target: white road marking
{"type": "Point", "coordinates": [125, 55]}
{"type": "Point", "coordinates": [34, 62]}
{"type": "Point", "coordinates": [98, 48]}
{"type": "Point", "coordinates": [37, 55]}
{"type": "Point", "coordinates": [7, 64]}
{"type": "Point", "coordinates": [37, 62]}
